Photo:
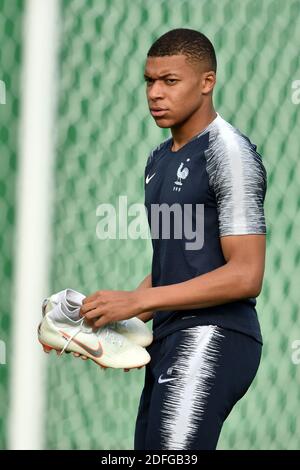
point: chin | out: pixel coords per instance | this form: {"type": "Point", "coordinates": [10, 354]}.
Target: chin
{"type": "Point", "coordinates": [163, 123]}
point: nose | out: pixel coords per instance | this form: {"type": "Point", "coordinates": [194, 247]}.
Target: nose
{"type": "Point", "coordinates": [155, 90]}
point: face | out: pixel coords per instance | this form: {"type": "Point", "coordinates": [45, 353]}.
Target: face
{"type": "Point", "coordinates": [177, 87]}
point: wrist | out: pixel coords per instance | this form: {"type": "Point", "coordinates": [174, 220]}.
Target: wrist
{"type": "Point", "coordinates": [137, 301]}
{"type": "Point", "coordinates": [141, 300]}
{"type": "Point", "coordinates": [151, 299]}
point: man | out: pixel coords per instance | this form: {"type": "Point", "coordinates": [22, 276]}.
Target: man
{"type": "Point", "coordinates": [201, 293]}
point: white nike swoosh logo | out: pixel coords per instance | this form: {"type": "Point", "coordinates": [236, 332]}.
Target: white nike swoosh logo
{"type": "Point", "coordinates": [161, 381]}
{"type": "Point", "coordinates": [148, 179]}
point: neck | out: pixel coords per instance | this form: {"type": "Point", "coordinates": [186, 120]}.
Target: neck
{"type": "Point", "coordinates": [196, 124]}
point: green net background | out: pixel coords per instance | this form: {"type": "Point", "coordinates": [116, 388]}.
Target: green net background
{"type": "Point", "coordinates": [10, 60]}
{"type": "Point", "coordinates": [104, 135]}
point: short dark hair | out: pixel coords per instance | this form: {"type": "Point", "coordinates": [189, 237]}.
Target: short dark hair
{"type": "Point", "coordinates": [189, 42]}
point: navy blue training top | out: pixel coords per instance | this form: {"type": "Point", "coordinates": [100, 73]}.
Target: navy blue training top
{"type": "Point", "coordinates": [213, 186]}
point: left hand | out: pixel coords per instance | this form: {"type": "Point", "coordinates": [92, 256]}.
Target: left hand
{"type": "Point", "coordinates": [106, 306]}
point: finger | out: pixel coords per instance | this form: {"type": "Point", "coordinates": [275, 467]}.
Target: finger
{"type": "Point", "coordinates": [89, 306]}
{"type": "Point", "coordinates": [101, 322]}
{"type": "Point", "coordinates": [90, 298]}
{"type": "Point", "coordinates": [94, 314]}
{"type": "Point", "coordinates": [80, 355]}
{"type": "Point", "coordinates": [90, 323]}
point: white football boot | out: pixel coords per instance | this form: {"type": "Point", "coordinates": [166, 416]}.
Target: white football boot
{"type": "Point", "coordinates": [133, 329]}
{"type": "Point", "coordinates": [104, 346]}
{"type": "Point", "coordinates": [69, 297]}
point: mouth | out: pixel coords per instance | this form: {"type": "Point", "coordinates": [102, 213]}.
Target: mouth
{"type": "Point", "coordinates": [158, 111]}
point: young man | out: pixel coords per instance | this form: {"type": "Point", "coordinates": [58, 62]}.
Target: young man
{"type": "Point", "coordinates": [209, 182]}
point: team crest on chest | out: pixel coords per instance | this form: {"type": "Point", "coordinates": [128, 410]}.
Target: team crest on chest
{"type": "Point", "coordinates": [182, 174]}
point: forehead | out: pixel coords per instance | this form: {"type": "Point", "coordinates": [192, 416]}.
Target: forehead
{"type": "Point", "coordinates": [163, 65]}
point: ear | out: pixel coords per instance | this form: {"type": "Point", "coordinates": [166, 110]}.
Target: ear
{"type": "Point", "coordinates": [208, 82]}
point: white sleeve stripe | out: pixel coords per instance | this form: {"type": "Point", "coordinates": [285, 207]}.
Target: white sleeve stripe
{"type": "Point", "coordinates": [238, 178]}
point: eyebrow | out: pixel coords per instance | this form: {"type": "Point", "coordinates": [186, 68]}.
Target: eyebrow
{"type": "Point", "coordinates": [162, 76]}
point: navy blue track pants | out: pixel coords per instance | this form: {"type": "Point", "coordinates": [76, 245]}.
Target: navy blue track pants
{"type": "Point", "coordinates": [192, 382]}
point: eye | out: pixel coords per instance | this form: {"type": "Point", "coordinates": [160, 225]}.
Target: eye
{"type": "Point", "coordinates": [171, 81]}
